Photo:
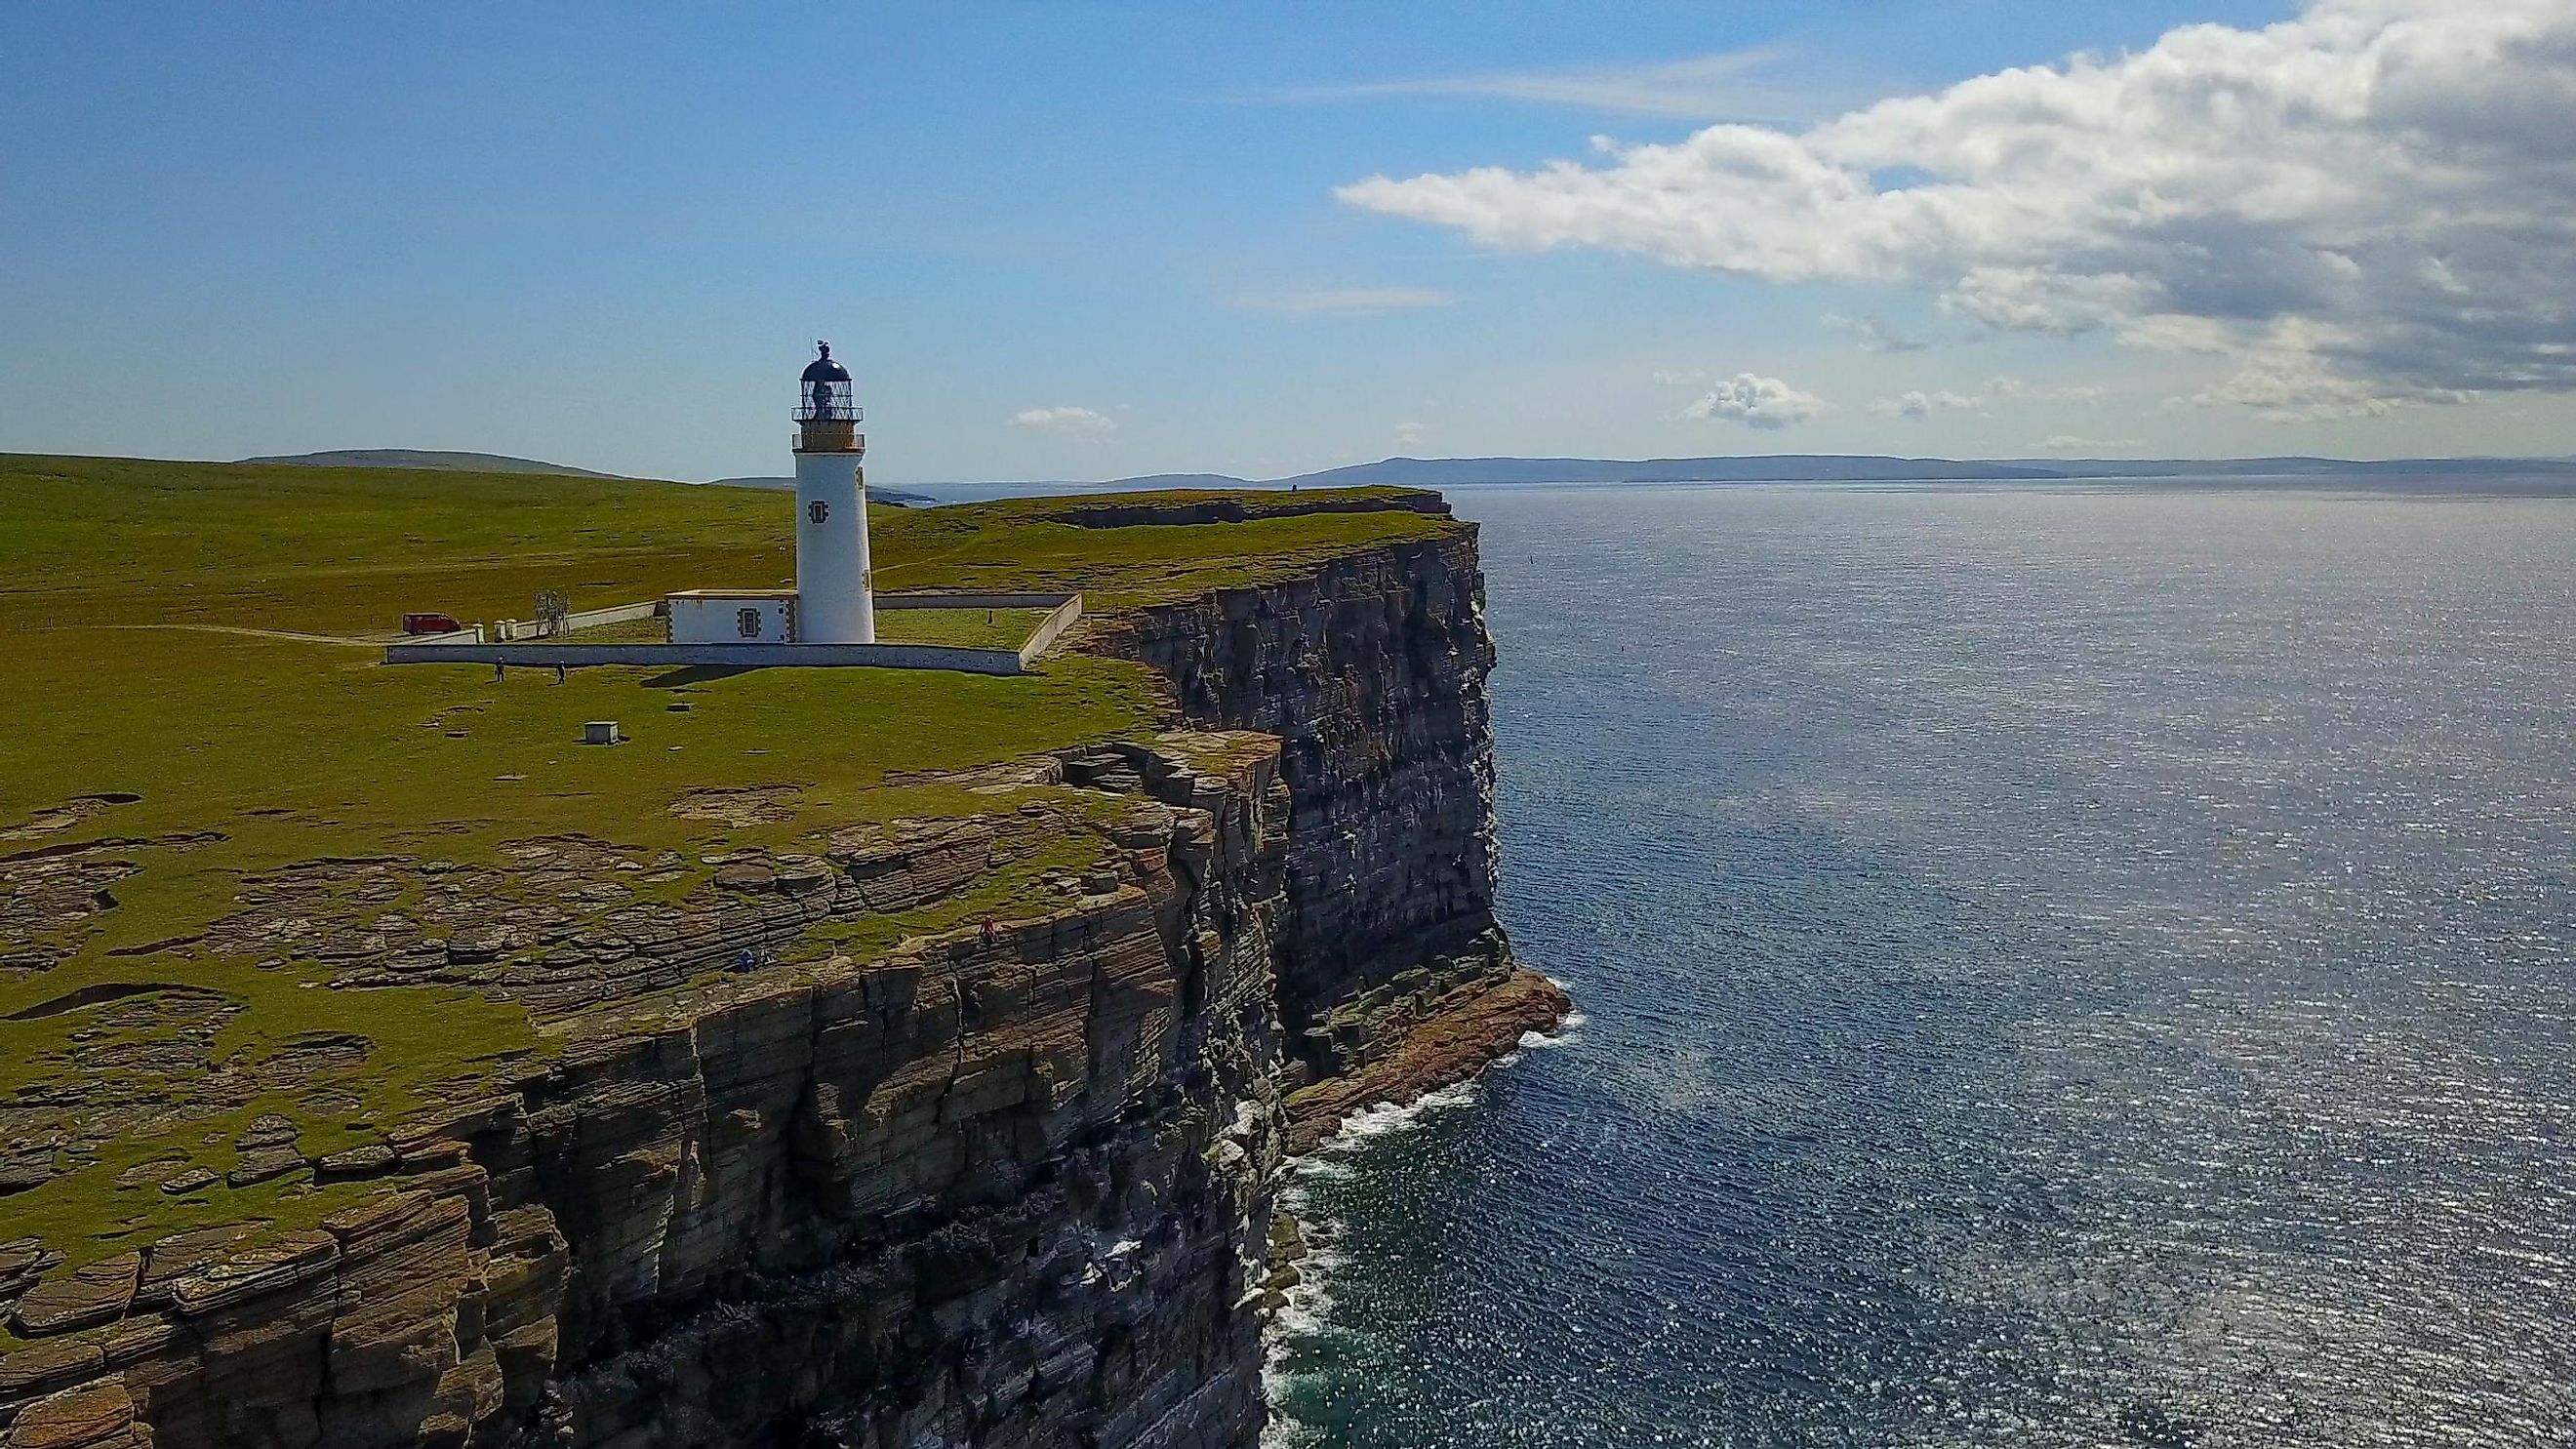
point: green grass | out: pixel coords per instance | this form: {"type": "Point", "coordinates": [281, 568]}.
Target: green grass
{"type": "Point", "coordinates": [250, 754]}
{"type": "Point", "coordinates": [1025, 545]}
{"type": "Point", "coordinates": [348, 550]}
{"type": "Point", "coordinates": [960, 628]}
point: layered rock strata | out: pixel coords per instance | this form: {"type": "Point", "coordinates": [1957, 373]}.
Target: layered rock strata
{"type": "Point", "coordinates": [1007, 1185]}
{"type": "Point", "coordinates": [1372, 674]}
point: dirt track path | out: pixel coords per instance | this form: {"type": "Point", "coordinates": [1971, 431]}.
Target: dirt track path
{"type": "Point", "coordinates": [287, 634]}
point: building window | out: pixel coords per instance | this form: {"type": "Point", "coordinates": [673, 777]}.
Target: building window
{"type": "Point", "coordinates": [818, 510]}
{"type": "Point", "coordinates": [746, 622]}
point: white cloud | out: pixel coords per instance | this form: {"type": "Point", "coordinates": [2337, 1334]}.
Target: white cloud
{"type": "Point", "coordinates": [1920, 404]}
{"type": "Point", "coordinates": [1759, 402]}
{"type": "Point", "coordinates": [1349, 301]}
{"type": "Point", "coordinates": [1409, 435]}
{"type": "Point", "coordinates": [2370, 206]}
{"type": "Point", "coordinates": [2013, 387]}
{"type": "Point", "coordinates": [1873, 335]}
{"type": "Point", "coordinates": [1925, 404]}
{"type": "Point", "coordinates": [1072, 422]}
{"type": "Point", "coordinates": [1700, 88]}
{"type": "Point", "coordinates": [2286, 385]}
{"type": "Point", "coordinates": [2069, 444]}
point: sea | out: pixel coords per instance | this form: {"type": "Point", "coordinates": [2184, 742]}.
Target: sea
{"type": "Point", "coordinates": [2059, 965]}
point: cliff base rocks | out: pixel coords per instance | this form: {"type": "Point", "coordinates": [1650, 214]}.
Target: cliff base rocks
{"type": "Point", "coordinates": [1400, 1045]}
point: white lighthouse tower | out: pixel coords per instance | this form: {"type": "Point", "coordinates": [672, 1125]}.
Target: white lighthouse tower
{"type": "Point", "coordinates": [833, 601]}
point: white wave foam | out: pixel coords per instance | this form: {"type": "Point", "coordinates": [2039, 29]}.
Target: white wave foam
{"type": "Point", "coordinates": [1308, 1311]}
{"type": "Point", "coordinates": [1393, 1118]}
{"type": "Point", "coordinates": [1284, 1431]}
{"type": "Point", "coordinates": [1306, 1315]}
{"type": "Point", "coordinates": [1315, 1168]}
{"type": "Point", "coordinates": [1542, 1041]}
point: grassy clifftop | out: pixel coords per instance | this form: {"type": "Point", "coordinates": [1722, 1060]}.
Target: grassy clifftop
{"type": "Point", "coordinates": [202, 825]}
{"type": "Point", "coordinates": [107, 540]}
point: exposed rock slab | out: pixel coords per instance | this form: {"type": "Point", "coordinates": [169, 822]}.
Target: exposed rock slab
{"type": "Point", "coordinates": [1418, 1045]}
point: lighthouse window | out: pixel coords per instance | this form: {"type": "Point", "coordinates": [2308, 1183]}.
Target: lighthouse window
{"type": "Point", "coordinates": [746, 622]}
{"type": "Point", "coordinates": [818, 510]}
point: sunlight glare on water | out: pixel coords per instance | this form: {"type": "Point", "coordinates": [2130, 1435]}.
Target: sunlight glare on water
{"type": "Point", "coordinates": [2082, 966]}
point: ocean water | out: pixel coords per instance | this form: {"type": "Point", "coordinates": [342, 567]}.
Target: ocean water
{"type": "Point", "coordinates": [2080, 965]}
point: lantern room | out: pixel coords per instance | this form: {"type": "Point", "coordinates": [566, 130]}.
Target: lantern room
{"type": "Point", "coordinates": [827, 419]}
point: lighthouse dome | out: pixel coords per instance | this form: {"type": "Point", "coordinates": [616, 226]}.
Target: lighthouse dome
{"type": "Point", "coordinates": [823, 368]}
{"type": "Point", "coordinates": [824, 406]}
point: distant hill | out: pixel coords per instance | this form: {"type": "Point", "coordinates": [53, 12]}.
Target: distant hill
{"type": "Point", "coordinates": [1186, 480]}
{"type": "Point", "coordinates": [501, 463]}
{"type": "Point", "coordinates": [1851, 468]}
{"type": "Point", "coordinates": [426, 458]}
{"type": "Point", "coordinates": [1786, 468]}
{"type": "Point", "coordinates": [902, 498]}
{"type": "Point", "coordinates": [1469, 472]}
{"type": "Point", "coordinates": [2301, 467]}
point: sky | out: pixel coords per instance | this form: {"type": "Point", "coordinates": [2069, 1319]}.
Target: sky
{"type": "Point", "coordinates": [1085, 239]}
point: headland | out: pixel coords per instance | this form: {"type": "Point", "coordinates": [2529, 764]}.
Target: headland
{"type": "Point", "coordinates": [845, 1056]}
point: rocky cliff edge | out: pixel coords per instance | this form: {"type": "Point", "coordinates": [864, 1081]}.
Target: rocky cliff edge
{"type": "Point", "coordinates": [774, 1181]}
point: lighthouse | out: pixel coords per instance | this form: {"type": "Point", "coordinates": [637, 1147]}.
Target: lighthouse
{"type": "Point", "coordinates": [833, 602]}
{"type": "Point", "coordinates": [827, 620]}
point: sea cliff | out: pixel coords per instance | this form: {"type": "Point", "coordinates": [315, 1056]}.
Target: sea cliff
{"type": "Point", "coordinates": [1394, 979]}
{"type": "Point", "coordinates": [776, 1177]}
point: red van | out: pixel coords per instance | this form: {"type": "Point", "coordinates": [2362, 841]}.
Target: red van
{"type": "Point", "coordinates": [431, 624]}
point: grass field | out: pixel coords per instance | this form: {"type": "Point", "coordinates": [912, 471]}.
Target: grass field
{"type": "Point", "coordinates": [331, 550]}
{"type": "Point", "coordinates": [148, 734]}
{"type": "Point", "coordinates": [960, 628]}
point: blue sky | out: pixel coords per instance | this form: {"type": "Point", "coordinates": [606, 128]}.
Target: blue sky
{"type": "Point", "coordinates": [1096, 239]}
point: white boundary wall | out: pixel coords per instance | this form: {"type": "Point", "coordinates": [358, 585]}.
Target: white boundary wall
{"type": "Point", "coordinates": [1067, 608]}
{"type": "Point", "coordinates": [510, 648]}
{"type": "Point", "coordinates": [737, 656]}
{"type": "Point", "coordinates": [509, 630]}
{"type": "Point", "coordinates": [1051, 626]}
{"type": "Point", "coordinates": [973, 601]}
